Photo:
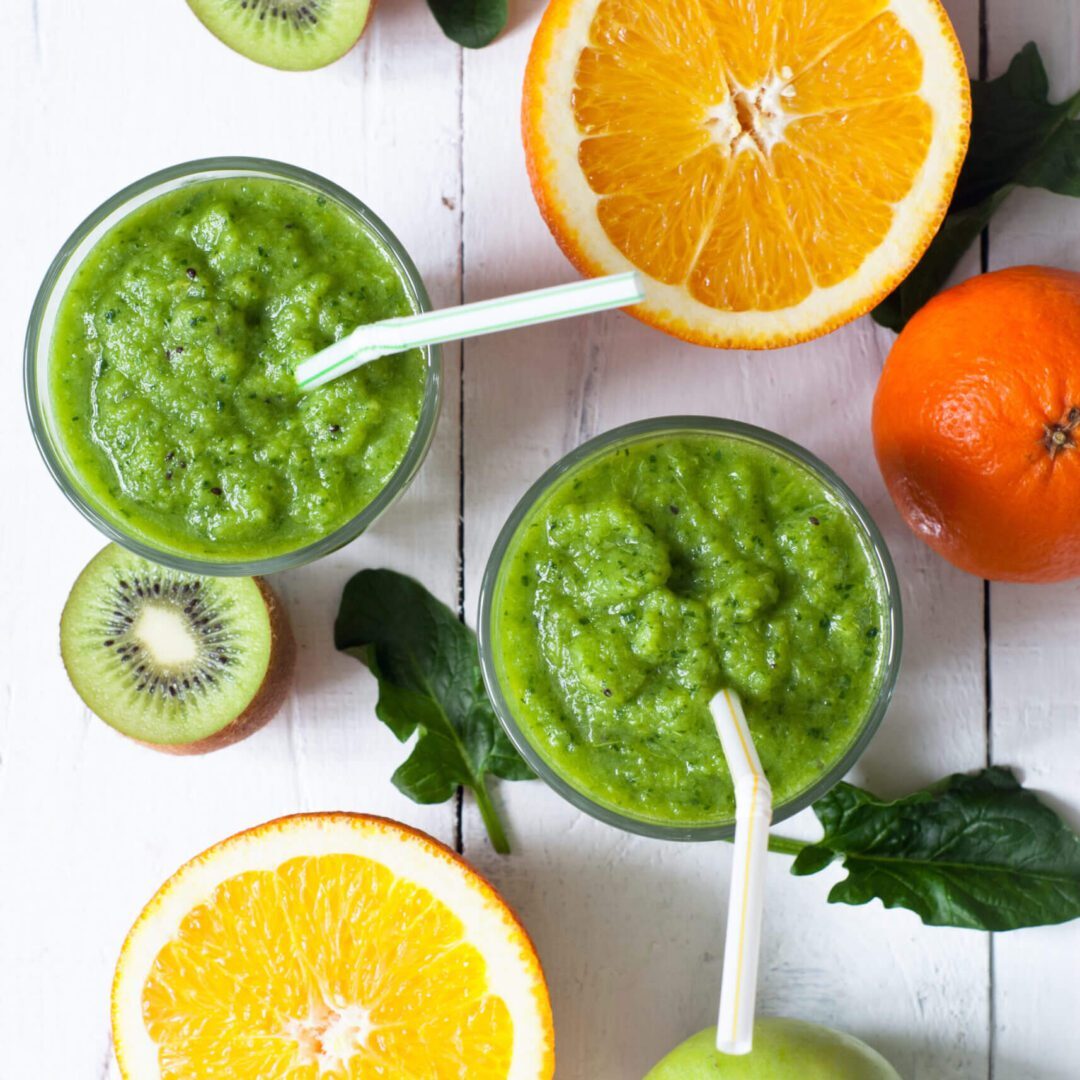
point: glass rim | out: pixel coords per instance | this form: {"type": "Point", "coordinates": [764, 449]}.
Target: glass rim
{"type": "Point", "coordinates": [33, 360]}
{"type": "Point", "coordinates": [689, 424]}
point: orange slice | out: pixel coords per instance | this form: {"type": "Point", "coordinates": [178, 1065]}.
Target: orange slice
{"type": "Point", "coordinates": [330, 947]}
{"type": "Point", "coordinates": [775, 167]}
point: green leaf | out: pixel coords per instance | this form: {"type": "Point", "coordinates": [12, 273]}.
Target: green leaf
{"type": "Point", "coordinates": [1018, 138]}
{"type": "Point", "coordinates": [472, 23]}
{"type": "Point", "coordinates": [425, 660]}
{"type": "Point", "coordinates": [1017, 135]}
{"type": "Point", "coordinates": [505, 762]}
{"type": "Point", "coordinates": [957, 233]}
{"type": "Point", "coordinates": [976, 851]}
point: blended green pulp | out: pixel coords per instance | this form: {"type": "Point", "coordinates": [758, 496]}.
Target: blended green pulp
{"type": "Point", "coordinates": [662, 571]}
{"type": "Point", "coordinates": [171, 370]}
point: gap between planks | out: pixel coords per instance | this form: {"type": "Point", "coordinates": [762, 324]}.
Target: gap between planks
{"type": "Point", "coordinates": [988, 679]}
{"type": "Point", "coordinates": [459, 798]}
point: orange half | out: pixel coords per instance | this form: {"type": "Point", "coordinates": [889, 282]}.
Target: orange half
{"type": "Point", "coordinates": [774, 167]}
{"type": "Point", "coordinates": [330, 947]}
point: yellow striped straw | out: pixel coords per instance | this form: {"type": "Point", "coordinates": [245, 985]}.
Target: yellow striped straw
{"type": "Point", "coordinates": [746, 900]}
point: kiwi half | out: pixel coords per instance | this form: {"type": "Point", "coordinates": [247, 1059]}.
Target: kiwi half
{"type": "Point", "coordinates": [180, 662]}
{"type": "Point", "coordinates": [291, 35]}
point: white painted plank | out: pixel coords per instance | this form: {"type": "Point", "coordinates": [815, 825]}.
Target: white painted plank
{"type": "Point", "coordinates": [1035, 656]}
{"type": "Point", "coordinates": [98, 96]}
{"type": "Point", "coordinates": [629, 929]}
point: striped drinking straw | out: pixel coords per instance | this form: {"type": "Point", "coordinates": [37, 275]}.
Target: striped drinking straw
{"type": "Point", "coordinates": [367, 343]}
{"type": "Point", "coordinates": [753, 814]}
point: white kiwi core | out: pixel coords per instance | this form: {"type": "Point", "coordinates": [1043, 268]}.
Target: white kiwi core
{"type": "Point", "coordinates": [164, 631]}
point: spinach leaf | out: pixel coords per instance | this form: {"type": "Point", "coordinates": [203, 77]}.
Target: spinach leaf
{"type": "Point", "coordinates": [472, 23]}
{"type": "Point", "coordinates": [1018, 138]}
{"type": "Point", "coordinates": [426, 663]}
{"type": "Point", "coordinates": [973, 851]}
{"type": "Point", "coordinates": [958, 232]}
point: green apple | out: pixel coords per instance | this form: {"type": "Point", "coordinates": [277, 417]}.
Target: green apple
{"type": "Point", "coordinates": [783, 1050]}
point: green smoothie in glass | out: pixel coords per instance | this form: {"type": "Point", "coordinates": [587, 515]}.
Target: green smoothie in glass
{"type": "Point", "coordinates": [655, 572]}
{"type": "Point", "coordinates": [171, 370]}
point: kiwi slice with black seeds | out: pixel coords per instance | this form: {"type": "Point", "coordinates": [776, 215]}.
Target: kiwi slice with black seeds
{"type": "Point", "coordinates": [181, 662]}
{"type": "Point", "coordinates": [291, 35]}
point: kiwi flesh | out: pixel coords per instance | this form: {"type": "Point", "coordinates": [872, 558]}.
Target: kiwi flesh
{"type": "Point", "coordinates": [177, 661]}
{"type": "Point", "coordinates": [291, 35]}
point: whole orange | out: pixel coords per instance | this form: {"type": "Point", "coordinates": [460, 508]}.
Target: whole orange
{"type": "Point", "coordinates": [977, 424]}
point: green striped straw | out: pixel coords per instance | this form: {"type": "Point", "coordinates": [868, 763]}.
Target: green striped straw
{"type": "Point", "coordinates": [369, 342]}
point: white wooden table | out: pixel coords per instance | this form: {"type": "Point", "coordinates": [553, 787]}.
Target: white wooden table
{"type": "Point", "coordinates": [95, 95]}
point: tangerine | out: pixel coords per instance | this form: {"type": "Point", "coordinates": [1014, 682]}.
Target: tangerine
{"type": "Point", "coordinates": [977, 424]}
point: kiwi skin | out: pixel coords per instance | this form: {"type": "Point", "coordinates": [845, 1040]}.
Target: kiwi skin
{"type": "Point", "coordinates": [268, 699]}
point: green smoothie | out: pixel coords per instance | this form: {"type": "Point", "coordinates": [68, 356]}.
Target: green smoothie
{"type": "Point", "coordinates": [661, 571]}
{"type": "Point", "coordinates": [171, 370]}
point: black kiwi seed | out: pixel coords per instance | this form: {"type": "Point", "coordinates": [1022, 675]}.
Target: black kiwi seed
{"type": "Point", "coordinates": [305, 14]}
